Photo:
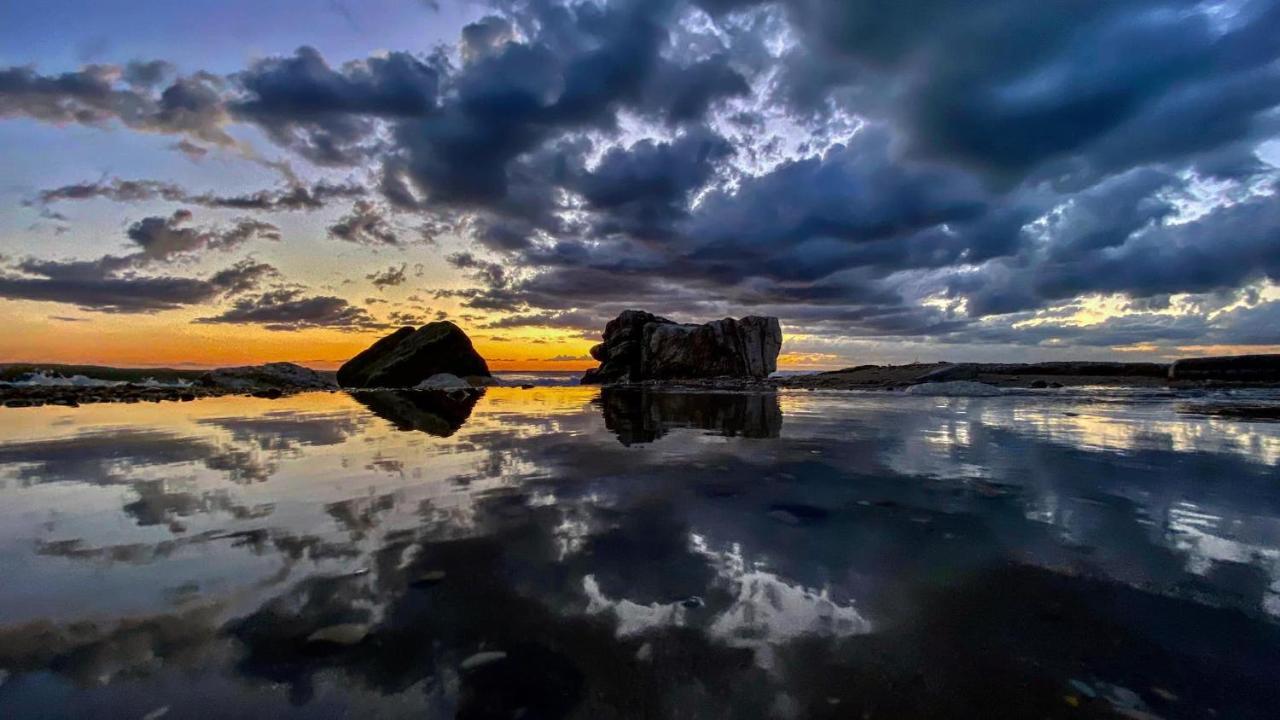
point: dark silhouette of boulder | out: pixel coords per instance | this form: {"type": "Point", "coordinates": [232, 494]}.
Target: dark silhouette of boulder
{"type": "Point", "coordinates": [429, 411]}
{"type": "Point", "coordinates": [1234, 368]}
{"type": "Point", "coordinates": [407, 357]}
{"type": "Point", "coordinates": [642, 346]}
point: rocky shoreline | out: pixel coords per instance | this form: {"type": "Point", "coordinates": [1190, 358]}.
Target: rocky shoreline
{"type": "Point", "coordinates": [1219, 373]}
{"type": "Point", "coordinates": [33, 386]}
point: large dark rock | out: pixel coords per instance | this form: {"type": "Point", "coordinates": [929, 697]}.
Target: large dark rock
{"type": "Point", "coordinates": [1234, 368]}
{"type": "Point", "coordinates": [641, 346]}
{"type": "Point", "coordinates": [407, 357]}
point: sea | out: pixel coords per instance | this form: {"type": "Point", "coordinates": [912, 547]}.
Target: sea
{"type": "Point", "coordinates": [561, 551]}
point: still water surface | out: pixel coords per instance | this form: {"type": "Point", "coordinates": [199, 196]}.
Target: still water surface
{"type": "Point", "coordinates": [568, 552]}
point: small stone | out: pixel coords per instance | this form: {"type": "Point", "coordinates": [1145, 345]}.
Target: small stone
{"type": "Point", "coordinates": [692, 602]}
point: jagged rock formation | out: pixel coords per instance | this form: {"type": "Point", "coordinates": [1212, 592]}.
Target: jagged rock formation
{"type": "Point", "coordinates": [1234, 368]}
{"type": "Point", "coordinates": [407, 357]}
{"type": "Point", "coordinates": [642, 346]}
{"type": "Point", "coordinates": [281, 375]}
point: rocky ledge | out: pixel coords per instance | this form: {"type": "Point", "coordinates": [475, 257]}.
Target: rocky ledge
{"type": "Point", "coordinates": [1240, 371]}
{"type": "Point", "coordinates": [271, 380]}
{"type": "Point", "coordinates": [640, 346]}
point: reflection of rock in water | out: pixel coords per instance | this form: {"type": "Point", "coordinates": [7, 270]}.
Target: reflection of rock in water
{"type": "Point", "coordinates": [428, 411]}
{"type": "Point", "coordinates": [641, 416]}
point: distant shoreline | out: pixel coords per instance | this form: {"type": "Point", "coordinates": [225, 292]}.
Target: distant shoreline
{"type": "Point", "coordinates": [36, 384]}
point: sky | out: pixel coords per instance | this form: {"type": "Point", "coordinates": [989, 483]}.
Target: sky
{"type": "Point", "coordinates": [210, 183]}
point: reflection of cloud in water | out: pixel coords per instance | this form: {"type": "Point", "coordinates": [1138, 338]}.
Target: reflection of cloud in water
{"type": "Point", "coordinates": [758, 609]}
{"type": "Point", "coordinates": [285, 430]}
{"type": "Point", "coordinates": [877, 541]}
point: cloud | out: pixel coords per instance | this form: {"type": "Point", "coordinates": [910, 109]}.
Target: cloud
{"type": "Point", "coordinates": [99, 94]}
{"type": "Point", "coordinates": [162, 239]}
{"type": "Point", "coordinates": [289, 309]}
{"type": "Point", "coordinates": [366, 224]}
{"type": "Point", "coordinates": [391, 277]}
{"type": "Point", "coordinates": [117, 283]}
{"type": "Point", "coordinates": [100, 286]}
{"type": "Point", "coordinates": [295, 197]}
{"type": "Point", "coordinates": [918, 170]}
{"type": "Point", "coordinates": [326, 115]}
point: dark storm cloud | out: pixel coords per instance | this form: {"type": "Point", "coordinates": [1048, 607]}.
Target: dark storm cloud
{"type": "Point", "coordinates": [578, 66]}
{"type": "Point", "coordinates": [835, 163]}
{"type": "Point", "coordinates": [645, 188]}
{"type": "Point", "coordinates": [289, 309]}
{"type": "Point", "coordinates": [326, 114]}
{"type": "Point", "coordinates": [1086, 86]}
{"type": "Point", "coordinates": [96, 95]}
{"type": "Point", "coordinates": [295, 197]}
{"type": "Point", "coordinates": [1225, 248]}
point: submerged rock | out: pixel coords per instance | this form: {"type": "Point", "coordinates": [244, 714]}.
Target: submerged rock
{"type": "Point", "coordinates": [282, 375]}
{"type": "Point", "coordinates": [444, 381]}
{"type": "Point", "coordinates": [408, 357]}
{"type": "Point", "coordinates": [642, 346]}
{"type": "Point", "coordinates": [954, 388]}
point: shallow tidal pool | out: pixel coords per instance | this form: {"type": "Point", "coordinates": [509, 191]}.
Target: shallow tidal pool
{"type": "Point", "coordinates": [576, 552]}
